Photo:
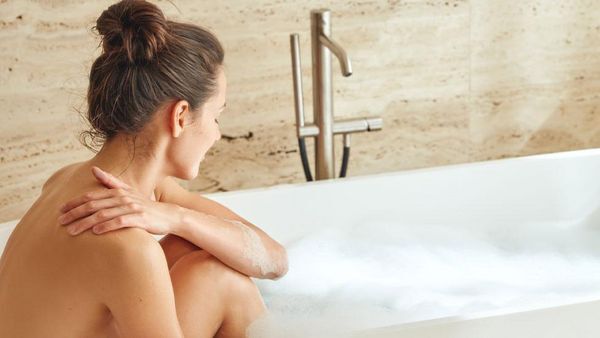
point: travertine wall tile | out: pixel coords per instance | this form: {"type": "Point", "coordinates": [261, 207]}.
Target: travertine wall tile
{"type": "Point", "coordinates": [535, 76]}
{"type": "Point", "coordinates": [455, 81]}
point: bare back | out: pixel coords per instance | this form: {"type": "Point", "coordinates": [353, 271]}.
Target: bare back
{"type": "Point", "coordinates": [50, 283]}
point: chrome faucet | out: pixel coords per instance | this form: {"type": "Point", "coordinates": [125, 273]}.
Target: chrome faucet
{"type": "Point", "coordinates": [324, 126]}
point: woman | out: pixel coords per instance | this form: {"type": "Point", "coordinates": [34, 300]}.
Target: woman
{"type": "Point", "coordinates": [82, 262]}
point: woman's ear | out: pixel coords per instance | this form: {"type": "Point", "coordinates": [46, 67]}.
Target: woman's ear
{"type": "Point", "coordinates": [177, 116]}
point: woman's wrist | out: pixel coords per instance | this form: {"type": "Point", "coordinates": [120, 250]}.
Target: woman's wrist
{"type": "Point", "coordinates": [186, 220]}
{"type": "Point", "coordinates": [181, 221]}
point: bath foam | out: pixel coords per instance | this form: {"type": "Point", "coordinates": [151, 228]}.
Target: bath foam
{"type": "Point", "coordinates": [254, 249]}
{"type": "Point", "coordinates": [380, 272]}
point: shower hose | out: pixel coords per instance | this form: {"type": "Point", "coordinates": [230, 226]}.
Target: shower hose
{"type": "Point", "coordinates": [306, 166]}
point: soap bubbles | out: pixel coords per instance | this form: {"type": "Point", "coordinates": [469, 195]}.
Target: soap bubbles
{"type": "Point", "coordinates": [378, 273]}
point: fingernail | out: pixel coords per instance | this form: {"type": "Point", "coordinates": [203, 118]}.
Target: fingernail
{"type": "Point", "coordinates": [61, 220]}
{"type": "Point", "coordinates": [71, 231]}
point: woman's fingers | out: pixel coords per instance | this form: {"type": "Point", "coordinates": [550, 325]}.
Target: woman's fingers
{"type": "Point", "coordinates": [98, 217]}
{"type": "Point", "coordinates": [129, 220]}
{"type": "Point", "coordinates": [92, 195]}
{"type": "Point", "coordinates": [109, 207]}
{"type": "Point", "coordinates": [92, 206]}
{"type": "Point", "coordinates": [107, 179]}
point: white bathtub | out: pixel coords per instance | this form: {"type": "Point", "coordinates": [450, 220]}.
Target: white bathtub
{"type": "Point", "coordinates": [505, 248]}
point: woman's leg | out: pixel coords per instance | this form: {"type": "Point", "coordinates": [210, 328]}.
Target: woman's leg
{"type": "Point", "coordinates": [212, 299]}
{"type": "Point", "coordinates": [176, 247]}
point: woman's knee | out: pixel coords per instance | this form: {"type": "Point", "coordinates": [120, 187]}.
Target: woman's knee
{"type": "Point", "coordinates": [176, 247]}
{"type": "Point", "coordinates": [204, 264]}
{"type": "Point", "coordinates": [200, 275]}
{"type": "Point", "coordinates": [200, 264]}
{"type": "Point", "coordinates": [198, 261]}
{"type": "Point", "coordinates": [242, 285]}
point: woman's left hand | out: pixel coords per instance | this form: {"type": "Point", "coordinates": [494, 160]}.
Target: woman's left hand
{"type": "Point", "coordinates": [117, 207]}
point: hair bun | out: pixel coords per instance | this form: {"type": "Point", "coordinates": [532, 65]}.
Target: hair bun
{"type": "Point", "coordinates": [135, 27]}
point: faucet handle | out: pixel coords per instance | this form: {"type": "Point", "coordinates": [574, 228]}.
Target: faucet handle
{"type": "Point", "coordinates": [357, 125]}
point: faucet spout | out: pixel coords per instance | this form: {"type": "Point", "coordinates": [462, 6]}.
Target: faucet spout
{"type": "Point", "coordinates": [339, 52]}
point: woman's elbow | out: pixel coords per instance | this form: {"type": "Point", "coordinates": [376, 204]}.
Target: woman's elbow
{"type": "Point", "coordinates": [280, 266]}
{"type": "Point", "coordinates": [283, 266]}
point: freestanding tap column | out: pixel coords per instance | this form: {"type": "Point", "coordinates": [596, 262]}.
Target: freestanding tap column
{"type": "Point", "coordinates": [324, 127]}
{"type": "Point", "coordinates": [320, 21]}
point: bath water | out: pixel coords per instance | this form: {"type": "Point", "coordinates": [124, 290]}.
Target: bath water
{"type": "Point", "coordinates": [381, 272]}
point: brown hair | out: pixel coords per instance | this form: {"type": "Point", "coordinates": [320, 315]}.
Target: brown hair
{"type": "Point", "coordinates": [147, 61]}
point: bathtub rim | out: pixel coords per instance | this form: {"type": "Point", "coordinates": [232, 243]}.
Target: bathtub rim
{"type": "Point", "coordinates": [402, 172]}
{"type": "Point", "coordinates": [485, 314]}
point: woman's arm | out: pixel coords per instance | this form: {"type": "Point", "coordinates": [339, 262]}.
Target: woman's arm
{"type": "Point", "coordinates": [234, 243]}
{"type": "Point", "coordinates": [205, 223]}
{"type": "Point", "coordinates": [223, 233]}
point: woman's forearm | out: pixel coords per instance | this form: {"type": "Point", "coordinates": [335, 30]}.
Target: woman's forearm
{"type": "Point", "coordinates": [241, 246]}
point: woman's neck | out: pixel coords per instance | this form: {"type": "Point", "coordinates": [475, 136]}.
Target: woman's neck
{"type": "Point", "coordinates": [141, 168]}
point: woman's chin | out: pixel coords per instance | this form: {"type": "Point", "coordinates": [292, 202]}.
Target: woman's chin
{"type": "Point", "coordinates": [193, 171]}
{"type": "Point", "coordinates": [188, 174]}
{"type": "Point", "coordinates": [196, 169]}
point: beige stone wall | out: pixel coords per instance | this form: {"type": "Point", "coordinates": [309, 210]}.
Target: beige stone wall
{"type": "Point", "coordinates": [455, 81]}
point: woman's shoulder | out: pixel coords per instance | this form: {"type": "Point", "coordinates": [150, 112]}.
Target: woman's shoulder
{"type": "Point", "coordinates": [61, 173]}
{"type": "Point", "coordinates": [127, 253]}
{"type": "Point", "coordinates": [70, 181]}
{"type": "Point", "coordinates": [113, 263]}
{"type": "Point", "coordinates": [118, 251]}
{"type": "Point", "coordinates": [128, 240]}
